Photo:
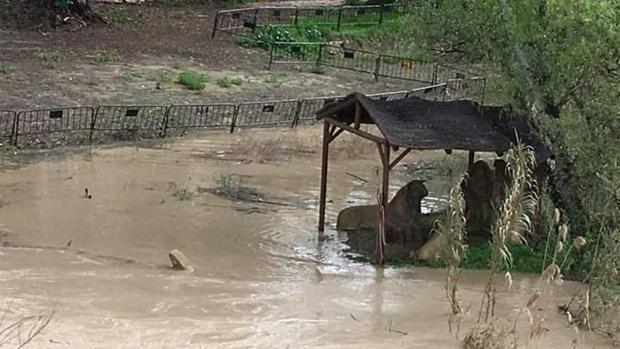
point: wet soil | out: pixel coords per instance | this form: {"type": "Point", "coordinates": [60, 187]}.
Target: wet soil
{"type": "Point", "coordinates": [262, 277]}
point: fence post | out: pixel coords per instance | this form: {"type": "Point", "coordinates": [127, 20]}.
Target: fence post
{"type": "Point", "coordinates": [93, 122]}
{"type": "Point", "coordinates": [164, 126]}
{"type": "Point", "coordinates": [339, 19]}
{"type": "Point", "coordinates": [16, 128]}
{"type": "Point", "coordinates": [319, 56]}
{"type": "Point", "coordinates": [271, 55]}
{"type": "Point", "coordinates": [13, 128]}
{"type": "Point", "coordinates": [434, 78]}
{"type": "Point", "coordinates": [381, 12]}
{"type": "Point", "coordinates": [377, 67]}
{"type": "Point", "coordinates": [234, 119]}
{"type": "Point", "coordinates": [215, 23]}
{"type": "Point", "coordinates": [297, 112]}
{"type": "Point", "coordinates": [255, 20]}
{"type": "Point", "coordinates": [296, 15]}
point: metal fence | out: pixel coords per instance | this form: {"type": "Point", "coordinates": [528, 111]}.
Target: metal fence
{"type": "Point", "coordinates": [319, 54]}
{"type": "Point", "coordinates": [87, 125]}
{"type": "Point", "coordinates": [246, 21]}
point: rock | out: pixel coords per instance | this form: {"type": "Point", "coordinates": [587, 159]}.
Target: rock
{"type": "Point", "coordinates": [179, 260]}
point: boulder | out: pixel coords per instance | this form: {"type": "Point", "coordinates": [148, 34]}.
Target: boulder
{"type": "Point", "coordinates": [180, 261]}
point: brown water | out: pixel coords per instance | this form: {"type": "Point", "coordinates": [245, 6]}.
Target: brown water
{"type": "Point", "coordinates": [262, 278]}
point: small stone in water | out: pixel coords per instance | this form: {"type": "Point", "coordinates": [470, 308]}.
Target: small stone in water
{"type": "Point", "coordinates": [179, 260]}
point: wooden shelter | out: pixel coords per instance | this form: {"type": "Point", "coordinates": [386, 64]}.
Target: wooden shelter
{"type": "Point", "coordinates": [417, 123]}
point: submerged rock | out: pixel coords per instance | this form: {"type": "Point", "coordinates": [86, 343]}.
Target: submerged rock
{"type": "Point", "coordinates": [179, 260]}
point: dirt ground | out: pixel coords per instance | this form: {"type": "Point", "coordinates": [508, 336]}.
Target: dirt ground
{"type": "Point", "coordinates": [137, 58]}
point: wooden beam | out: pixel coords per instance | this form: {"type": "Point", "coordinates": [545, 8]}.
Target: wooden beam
{"type": "Point", "coordinates": [400, 157]}
{"type": "Point", "coordinates": [358, 116]}
{"type": "Point", "coordinates": [336, 134]}
{"type": "Point", "coordinates": [324, 164]}
{"type": "Point", "coordinates": [385, 188]}
{"type": "Point", "coordinates": [357, 132]}
{"type": "Point", "coordinates": [470, 160]}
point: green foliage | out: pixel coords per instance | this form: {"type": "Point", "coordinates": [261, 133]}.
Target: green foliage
{"type": "Point", "coordinates": [192, 80]}
{"type": "Point", "coordinates": [106, 56]}
{"type": "Point", "coordinates": [558, 61]}
{"type": "Point", "coordinates": [62, 5]}
{"type": "Point", "coordinates": [6, 69]}
{"type": "Point", "coordinates": [119, 16]}
{"type": "Point", "coordinates": [266, 36]}
{"type": "Point", "coordinates": [273, 79]}
{"type": "Point", "coordinates": [51, 57]}
{"type": "Point", "coordinates": [229, 81]}
{"type": "Point", "coordinates": [183, 194]}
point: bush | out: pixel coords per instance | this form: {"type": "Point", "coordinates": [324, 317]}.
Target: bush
{"type": "Point", "coordinates": [229, 81]}
{"type": "Point", "coordinates": [192, 80]}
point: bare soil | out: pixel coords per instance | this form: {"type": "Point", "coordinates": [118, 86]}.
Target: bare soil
{"type": "Point", "coordinates": [144, 49]}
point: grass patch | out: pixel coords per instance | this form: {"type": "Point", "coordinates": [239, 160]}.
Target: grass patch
{"type": "Point", "coordinates": [231, 187]}
{"type": "Point", "coordinates": [106, 56]}
{"type": "Point", "coordinates": [273, 79]}
{"type": "Point", "coordinates": [161, 78]}
{"type": "Point", "coordinates": [229, 81]}
{"type": "Point", "coordinates": [183, 194]}
{"type": "Point", "coordinates": [51, 57]}
{"type": "Point", "coordinates": [6, 69]}
{"type": "Point", "coordinates": [119, 16]}
{"type": "Point", "coordinates": [191, 80]}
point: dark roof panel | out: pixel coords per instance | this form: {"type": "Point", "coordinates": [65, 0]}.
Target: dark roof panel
{"type": "Point", "coordinates": [418, 123]}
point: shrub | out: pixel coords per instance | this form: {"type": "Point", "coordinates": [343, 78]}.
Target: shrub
{"type": "Point", "coordinates": [6, 69]}
{"type": "Point", "coordinates": [229, 81]}
{"type": "Point", "coordinates": [192, 80]}
{"type": "Point", "coordinates": [49, 57]}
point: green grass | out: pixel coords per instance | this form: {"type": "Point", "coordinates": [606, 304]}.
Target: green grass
{"type": "Point", "coordinates": [273, 79]}
{"type": "Point", "coordinates": [6, 69]}
{"type": "Point", "coordinates": [161, 78]}
{"type": "Point", "coordinates": [51, 57]}
{"type": "Point", "coordinates": [119, 16]}
{"type": "Point", "coordinates": [192, 80]}
{"type": "Point", "coordinates": [106, 56]}
{"type": "Point", "coordinates": [183, 194]}
{"type": "Point", "coordinates": [229, 81]}
{"type": "Point", "coordinates": [525, 259]}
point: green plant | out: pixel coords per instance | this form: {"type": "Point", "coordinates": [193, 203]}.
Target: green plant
{"type": "Point", "coordinates": [120, 16]}
{"type": "Point", "coordinates": [192, 80]}
{"type": "Point", "coordinates": [228, 81]}
{"type": "Point", "coordinates": [273, 79]}
{"type": "Point", "coordinates": [161, 78]}
{"type": "Point", "coordinates": [183, 194]}
{"type": "Point", "coordinates": [6, 69]}
{"type": "Point", "coordinates": [106, 56]}
{"type": "Point", "coordinates": [52, 56]}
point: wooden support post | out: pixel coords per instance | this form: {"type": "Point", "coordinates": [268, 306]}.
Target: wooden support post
{"type": "Point", "coordinates": [384, 152]}
{"type": "Point", "coordinates": [324, 163]}
{"type": "Point", "coordinates": [470, 160]}
{"type": "Point", "coordinates": [358, 116]}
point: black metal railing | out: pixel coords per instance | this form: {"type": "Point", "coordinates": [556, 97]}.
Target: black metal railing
{"type": "Point", "coordinates": [98, 124]}
{"type": "Point", "coordinates": [245, 21]}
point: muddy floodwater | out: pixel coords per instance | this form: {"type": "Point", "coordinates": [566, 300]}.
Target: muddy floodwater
{"type": "Point", "coordinates": [262, 278]}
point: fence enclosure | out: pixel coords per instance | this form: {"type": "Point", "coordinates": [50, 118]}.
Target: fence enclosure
{"type": "Point", "coordinates": [245, 21]}
{"type": "Point", "coordinates": [83, 125]}
{"type": "Point", "coordinates": [378, 65]}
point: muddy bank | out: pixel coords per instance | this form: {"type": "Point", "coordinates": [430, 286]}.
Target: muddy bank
{"type": "Point", "coordinates": [262, 279]}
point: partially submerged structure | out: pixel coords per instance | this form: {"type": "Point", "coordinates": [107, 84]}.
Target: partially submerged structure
{"type": "Point", "coordinates": [417, 123]}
